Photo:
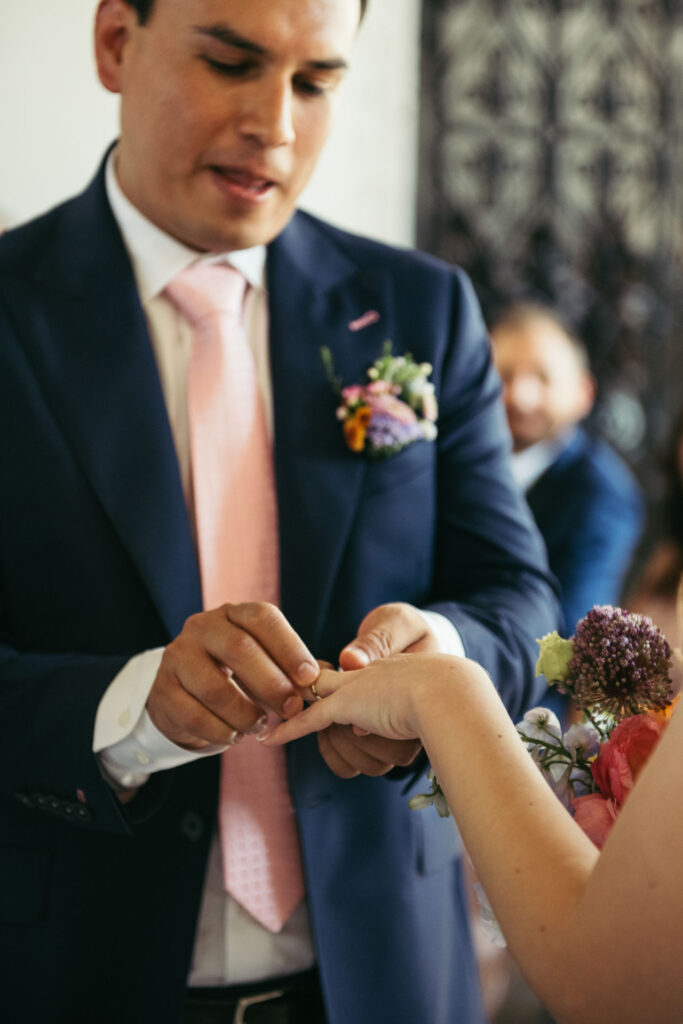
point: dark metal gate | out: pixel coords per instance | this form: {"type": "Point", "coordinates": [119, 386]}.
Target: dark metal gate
{"type": "Point", "coordinates": [551, 166]}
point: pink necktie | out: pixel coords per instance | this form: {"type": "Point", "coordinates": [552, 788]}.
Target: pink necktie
{"type": "Point", "coordinates": [236, 519]}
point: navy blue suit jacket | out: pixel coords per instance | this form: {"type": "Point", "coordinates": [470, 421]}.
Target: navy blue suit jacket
{"type": "Point", "coordinates": [590, 511]}
{"type": "Point", "coordinates": [98, 902]}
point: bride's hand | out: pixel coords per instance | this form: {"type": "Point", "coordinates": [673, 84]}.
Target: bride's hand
{"type": "Point", "coordinates": [382, 698]}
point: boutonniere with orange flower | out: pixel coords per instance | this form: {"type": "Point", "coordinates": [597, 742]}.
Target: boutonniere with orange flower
{"type": "Point", "coordinates": [394, 409]}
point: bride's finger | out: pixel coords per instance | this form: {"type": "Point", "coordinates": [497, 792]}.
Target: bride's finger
{"type": "Point", "coordinates": [328, 682]}
{"type": "Point", "coordinates": [314, 718]}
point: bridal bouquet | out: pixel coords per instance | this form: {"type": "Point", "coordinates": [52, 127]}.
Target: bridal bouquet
{"type": "Point", "coordinates": [616, 669]}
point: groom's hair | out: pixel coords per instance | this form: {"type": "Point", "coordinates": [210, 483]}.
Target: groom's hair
{"type": "Point", "coordinates": [144, 8]}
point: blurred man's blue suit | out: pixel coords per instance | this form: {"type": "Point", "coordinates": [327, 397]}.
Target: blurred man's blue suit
{"type": "Point", "coordinates": [590, 511]}
{"type": "Point", "coordinates": [98, 902]}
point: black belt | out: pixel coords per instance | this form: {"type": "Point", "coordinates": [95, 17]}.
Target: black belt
{"type": "Point", "coordinates": [295, 999]}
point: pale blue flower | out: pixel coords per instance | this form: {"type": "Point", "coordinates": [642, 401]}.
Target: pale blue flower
{"type": "Point", "coordinates": [582, 740]}
{"type": "Point", "coordinates": [435, 797]}
{"type": "Point", "coordinates": [540, 725]}
{"type": "Point", "coordinates": [567, 780]}
{"type": "Point", "coordinates": [558, 776]}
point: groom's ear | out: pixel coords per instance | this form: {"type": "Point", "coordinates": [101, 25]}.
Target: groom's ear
{"type": "Point", "coordinates": [115, 22]}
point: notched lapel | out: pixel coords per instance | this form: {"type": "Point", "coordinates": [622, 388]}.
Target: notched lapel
{"type": "Point", "coordinates": [315, 294]}
{"type": "Point", "coordinates": [98, 372]}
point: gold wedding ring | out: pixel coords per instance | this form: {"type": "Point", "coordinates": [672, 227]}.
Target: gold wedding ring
{"type": "Point", "coordinates": [316, 695]}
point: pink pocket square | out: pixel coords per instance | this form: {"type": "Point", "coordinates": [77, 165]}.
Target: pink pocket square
{"type": "Point", "coordinates": [371, 317]}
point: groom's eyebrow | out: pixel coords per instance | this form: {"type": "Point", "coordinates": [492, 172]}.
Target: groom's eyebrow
{"type": "Point", "coordinates": [226, 35]}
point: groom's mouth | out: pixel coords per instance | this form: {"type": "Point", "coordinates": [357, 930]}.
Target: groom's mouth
{"type": "Point", "coordinates": [243, 185]}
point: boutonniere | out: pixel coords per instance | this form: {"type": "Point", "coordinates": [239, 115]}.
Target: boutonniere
{"type": "Point", "coordinates": [394, 409]}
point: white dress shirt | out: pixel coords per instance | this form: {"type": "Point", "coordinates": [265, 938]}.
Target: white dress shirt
{"type": "Point", "coordinates": [530, 464]}
{"type": "Point", "coordinates": [230, 946]}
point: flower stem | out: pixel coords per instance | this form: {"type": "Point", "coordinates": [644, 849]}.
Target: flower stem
{"type": "Point", "coordinates": [604, 735]}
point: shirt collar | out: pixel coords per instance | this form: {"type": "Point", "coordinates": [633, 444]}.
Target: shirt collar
{"type": "Point", "coordinates": [529, 465]}
{"type": "Point", "coordinates": [157, 257]}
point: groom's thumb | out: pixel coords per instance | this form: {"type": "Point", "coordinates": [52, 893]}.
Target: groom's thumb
{"type": "Point", "coordinates": [389, 629]}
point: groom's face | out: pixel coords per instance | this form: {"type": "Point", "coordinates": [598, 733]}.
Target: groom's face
{"type": "Point", "coordinates": [225, 106]}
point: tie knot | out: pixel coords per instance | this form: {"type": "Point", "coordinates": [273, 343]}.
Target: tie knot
{"type": "Point", "coordinates": [204, 289]}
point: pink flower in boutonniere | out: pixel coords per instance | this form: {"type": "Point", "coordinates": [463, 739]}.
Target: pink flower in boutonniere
{"type": "Point", "coordinates": [396, 408]}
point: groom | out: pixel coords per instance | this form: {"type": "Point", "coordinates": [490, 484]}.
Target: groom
{"type": "Point", "coordinates": [117, 687]}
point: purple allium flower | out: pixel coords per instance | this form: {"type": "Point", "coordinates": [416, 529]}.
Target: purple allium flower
{"type": "Point", "coordinates": [620, 664]}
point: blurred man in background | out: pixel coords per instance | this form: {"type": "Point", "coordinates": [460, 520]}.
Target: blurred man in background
{"type": "Point", "coordinates": [586, 502]}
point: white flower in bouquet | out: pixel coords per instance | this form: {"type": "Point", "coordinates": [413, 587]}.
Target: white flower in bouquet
{"type": "Point", "coordinates": [582, 739]}
{"type": "Point", "coordinates": [539, 725]}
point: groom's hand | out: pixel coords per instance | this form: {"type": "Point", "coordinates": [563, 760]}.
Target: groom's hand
{"type": "Point", "coordinates": [390, 629]}
{"type": "Point", "coordinates": [226, 669]}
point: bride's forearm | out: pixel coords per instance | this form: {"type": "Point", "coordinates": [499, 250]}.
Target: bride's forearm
{"type": "Point", "coordinates": [598, 937]}
{"type": "Point", "coordinates": [532, 860]}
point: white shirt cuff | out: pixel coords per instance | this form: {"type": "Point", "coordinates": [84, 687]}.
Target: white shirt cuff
{"type": "Point", "coordinates": [446, 634]}
{"type": "Point", "coordinates": [128, 744]}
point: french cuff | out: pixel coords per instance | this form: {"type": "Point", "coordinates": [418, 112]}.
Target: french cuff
{"type": "Point", "coordinates": [446, 634]}
{"type": "Point", "coordinates": [124, 699]}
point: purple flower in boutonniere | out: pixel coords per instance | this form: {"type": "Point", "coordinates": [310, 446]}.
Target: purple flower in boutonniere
{"type": "Point", "coordinates": [396, 407]}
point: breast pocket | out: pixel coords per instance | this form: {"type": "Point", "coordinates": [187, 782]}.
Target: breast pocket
{"type": "Point", "coordinates": [24, 883]}
{"type": "Point", "coordinates": [400, 470]}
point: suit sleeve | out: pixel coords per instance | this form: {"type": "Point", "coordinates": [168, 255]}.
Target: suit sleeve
{"type": "Point", "coordinates": [491, 574]}
{"type": "Point", "coordinates": [597, 547]}
{"type": "Point", "coordinates": [53, 673]}
{"type": "Point", "coordinates": [48, 705]}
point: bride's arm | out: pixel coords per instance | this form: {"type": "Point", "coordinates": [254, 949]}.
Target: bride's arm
{"type": "Point", "coordinates": [599, 939]}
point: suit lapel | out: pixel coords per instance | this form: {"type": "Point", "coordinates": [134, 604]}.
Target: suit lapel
{"type": "Point", "coordinates": [99, 375]}
{"type": "Point", "coordinates": [97, 369]}
{"type": "Point", "coordinates": [315, 293]}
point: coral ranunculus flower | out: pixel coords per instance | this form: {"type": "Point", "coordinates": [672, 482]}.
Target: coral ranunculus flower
{"type": "Point", "coordinates": [595, 815]}
{"type": "Point", "coordinates": [622, 757]}
{"type": "Point", "coordinates": [615, 770]}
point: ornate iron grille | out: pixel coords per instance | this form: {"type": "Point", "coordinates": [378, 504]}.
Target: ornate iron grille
{"type": "Point", "coordinates": [551, 157]}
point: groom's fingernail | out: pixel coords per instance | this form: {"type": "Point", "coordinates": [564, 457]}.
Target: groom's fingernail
{"type": "Point", "coordinates": [259, 727]}
{"type": "Point", "coordinates": [307, 673]}
{"type": "Point", "coordinates": [292, 706]}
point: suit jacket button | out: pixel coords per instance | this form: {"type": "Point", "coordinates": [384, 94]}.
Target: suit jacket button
{"type": "Point", "coordinates": [192, 826]}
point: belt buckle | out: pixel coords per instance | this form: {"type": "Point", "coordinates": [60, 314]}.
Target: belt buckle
{"type": "Point", "coordinates": [247, 1001]}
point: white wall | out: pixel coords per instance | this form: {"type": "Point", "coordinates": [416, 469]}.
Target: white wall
{"type": "Point", "coordinates": [56, 120]}
{"type": "Point", "coordinates": [367, 176]}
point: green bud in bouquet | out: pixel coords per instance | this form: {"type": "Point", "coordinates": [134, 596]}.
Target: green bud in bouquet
{"type": "Point", "coordinates": [553, 660]}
